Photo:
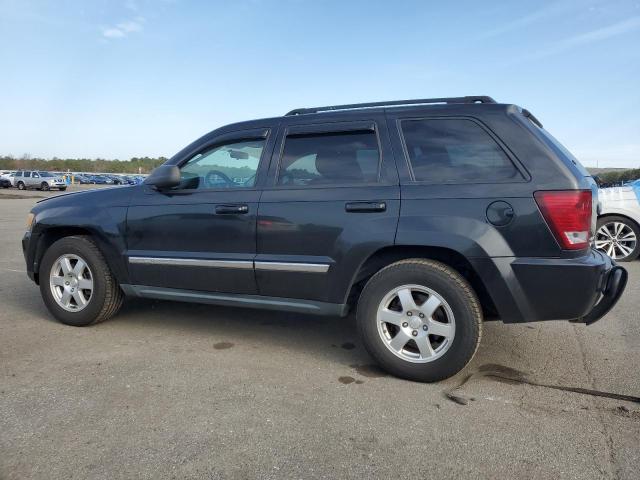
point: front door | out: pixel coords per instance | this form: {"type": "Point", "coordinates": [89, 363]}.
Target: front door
{"type": "Point", "coordinates": [332, 199]}
{"type": "Point", "coordinates": [201, 235]}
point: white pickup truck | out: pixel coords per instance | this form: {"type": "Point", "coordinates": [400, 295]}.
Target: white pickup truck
{"type": "Point", "coordinates": [618, 232]}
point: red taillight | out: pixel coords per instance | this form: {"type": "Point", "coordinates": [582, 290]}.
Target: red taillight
{"type": "Point", "coordinates": [568, 213]}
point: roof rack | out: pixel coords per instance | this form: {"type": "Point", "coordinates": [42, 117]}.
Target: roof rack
{"type": "Point", "coordinates": [353, 106]}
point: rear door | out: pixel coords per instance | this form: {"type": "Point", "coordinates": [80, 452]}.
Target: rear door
{"type": "Point", "coordinates": [332, 199]}
{"type": "Point", "coordinates": [201, 235]}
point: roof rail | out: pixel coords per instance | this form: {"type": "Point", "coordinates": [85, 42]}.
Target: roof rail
{"type": "Point", "coordinates": [353, 106]}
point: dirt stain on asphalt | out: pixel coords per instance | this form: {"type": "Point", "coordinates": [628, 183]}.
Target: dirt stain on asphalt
{"type": "Point", "coordinates": [371, 371]}
{"type": "Point", "coordinates": [347, 380]}
{"type": "Point", "coordinates": [348, 346]}
{"type": "Point", "coordinates": [509, 375]}
{"type": "Point", "coordinates": [222, 345]}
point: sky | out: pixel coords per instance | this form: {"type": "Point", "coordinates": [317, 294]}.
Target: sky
{"type": "Point", "coordinates": [125, 78]}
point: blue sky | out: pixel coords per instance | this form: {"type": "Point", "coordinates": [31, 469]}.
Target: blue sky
{"type": "Point", "coordinates": [123, 78]}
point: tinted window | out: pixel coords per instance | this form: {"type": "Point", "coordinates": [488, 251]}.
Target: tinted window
{"type": "Point", "coordinates": [232, 165]}
{"type": "Point", "coordinates": [330, 159]}
{"type": "Point", "coordinates": [455, 151]}
{"type": "Point", "coordinates": [27, 174]}
{"type": "Point", "coordinates": [18, 174]}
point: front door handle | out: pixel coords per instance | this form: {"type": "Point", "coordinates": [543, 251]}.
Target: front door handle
{"type": "Point", "coordinates": [364, 207]}
{"type": "Point", "coordinates": [231, 209]}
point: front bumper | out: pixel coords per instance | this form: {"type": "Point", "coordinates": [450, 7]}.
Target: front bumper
{"type": "Point", "coordinates": [582, 289]}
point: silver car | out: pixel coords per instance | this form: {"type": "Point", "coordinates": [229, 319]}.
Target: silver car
{"type": "Point", "coordinates": [24, 179]}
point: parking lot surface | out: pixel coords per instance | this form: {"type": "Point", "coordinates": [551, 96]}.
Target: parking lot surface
{"type": "Point", "coordinates": [171, 390]}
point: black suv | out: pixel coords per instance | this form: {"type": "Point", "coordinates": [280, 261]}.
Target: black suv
{"type": "Point", "coordinates": [424, 216]}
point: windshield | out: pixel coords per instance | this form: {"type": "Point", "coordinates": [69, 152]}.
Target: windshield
{"type": "Point", "coordinates": [45, 174]}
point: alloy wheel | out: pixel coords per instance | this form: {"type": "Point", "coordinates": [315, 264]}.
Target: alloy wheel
{"type": "Point", "coordinates": [616, 239]}
{"type": "Point", "coordinates": [416, 323]}
{"type": "Point", "coordinates": [71, 282]}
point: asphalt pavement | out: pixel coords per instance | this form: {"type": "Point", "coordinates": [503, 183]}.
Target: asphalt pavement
{"type": "Point", "coordinates": [172, 390]}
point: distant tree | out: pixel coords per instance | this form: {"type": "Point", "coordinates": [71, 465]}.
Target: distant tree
{"type": "Point", "coordinates": [134, 165]}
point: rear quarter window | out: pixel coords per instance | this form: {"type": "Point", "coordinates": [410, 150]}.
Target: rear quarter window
{"type": "Point", "coordinates": [455, 151]}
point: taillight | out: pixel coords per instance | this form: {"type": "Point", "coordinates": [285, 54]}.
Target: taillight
{"type": "Point", "coordinates": [568, 214]}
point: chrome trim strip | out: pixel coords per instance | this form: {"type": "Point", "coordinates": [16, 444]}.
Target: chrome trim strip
{"type": "Point", "coordinates": [192, 262]}
{"type": "Point", "coordinates": [293, 267]}
{"type": "Point", "coordinates": [242, 264]}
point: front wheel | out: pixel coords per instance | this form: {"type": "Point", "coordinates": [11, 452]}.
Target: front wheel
{"type": "Point", "coordinates": [618, 237]}
{"type": "Point", "coordinates": [420, 320]}
{"type": "Point", "coordinates": [21, 186]}
{"type": "Point", "coordinates": [44, 187]}
{"type": "Point", "coordinates": [76, 284]}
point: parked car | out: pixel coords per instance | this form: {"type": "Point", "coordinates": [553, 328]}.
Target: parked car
{"type": "Point", "coordinates": [99, 180]}
{"type": "Point", "coordinates": [5, 182]}
{"type": "Point", "coordinates": [618, 231]}
{"type": "Point", "coordinates": [425, 217]}
{"type": "Point", "coordinates": [6, 174]}
{"type": "Point", "coordinates": [115, 179]}
{"type": "Point", "coordinates": [81, 179]}
{"type": "Point", "coordinates": [38, 179]}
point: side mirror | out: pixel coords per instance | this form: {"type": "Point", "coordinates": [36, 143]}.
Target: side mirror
{"type": "Point", "coordinates": [165, 176]}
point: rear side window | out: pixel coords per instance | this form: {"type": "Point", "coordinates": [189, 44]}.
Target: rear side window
{"type": "Point", "coordinates": [27, 174]}
{"type": "Point", "coordinates": [330, 159]}
{"type": "Point", "coordinates": [455, 151]}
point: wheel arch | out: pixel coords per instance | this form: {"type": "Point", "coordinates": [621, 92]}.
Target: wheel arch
{"type": "Point", "coordinates": [50, 235]}
{"type": "Point", "coordinates": [391, 254]}
{"type": "Point", "coordinates": [623, 215]}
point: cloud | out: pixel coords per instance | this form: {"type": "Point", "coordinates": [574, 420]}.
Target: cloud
{"type": "Point", "coordinates": [123, 29]}
{"type": "Point", "coordinates": [112, 33]}
{"type": "Point", "coordinates": [594, 36]}
{"type": "Point", "coordinates": [541, 14]}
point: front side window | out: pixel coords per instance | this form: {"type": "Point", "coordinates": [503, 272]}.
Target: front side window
{"type": "Point", "coordinates": [232, 165]}
{"type": "Point", "coordinates": [455, 151]}
{"type": "Point", "coordinates": [330, 159]}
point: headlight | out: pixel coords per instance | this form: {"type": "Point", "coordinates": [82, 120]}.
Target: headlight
{"type": "Point", "coordinates": [30, 218]}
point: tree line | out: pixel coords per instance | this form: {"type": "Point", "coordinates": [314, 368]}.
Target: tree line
{"type": "Point", "coordinates": [619, 176]}
{"type": "Point", "coordinates": [133, 165]}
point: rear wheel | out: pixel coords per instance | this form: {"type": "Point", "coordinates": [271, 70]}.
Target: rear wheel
{"type": "Point", "coordinates": [76, 284]}
{"type": "Point", "coordinates": [420, 320]}
{"type": "Point", "coordinates": [618, 237]}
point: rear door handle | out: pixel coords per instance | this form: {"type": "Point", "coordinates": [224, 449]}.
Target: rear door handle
{"type": "Point", "coordinates": [364, 207]}
{"type": "Point", "coordinates": [231, 209]}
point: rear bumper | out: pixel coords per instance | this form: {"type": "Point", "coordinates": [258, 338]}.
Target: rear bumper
{"type": "Point", "coordinates": [616, 283]}
{"type": "Point", "coordinates": [580, 289]}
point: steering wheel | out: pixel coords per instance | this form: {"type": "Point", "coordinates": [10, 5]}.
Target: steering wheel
{"type": "Point", "coordinates": [209, 178]}
{"type": "Point", "coordinates": [286, 178]}
{"type": "Point", "coordinates": [249, 181]}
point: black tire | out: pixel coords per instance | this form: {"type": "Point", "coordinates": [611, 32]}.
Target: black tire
{"type": "Point", "coordinates": [44, 186]}
{"type": "Point", "coordinates": [452, 287]}
{"type": "Point", "coordinates": [21, 186]}
{"type": "Point", "coordinates": [106, 297]}
{"type": "Point", "coordinates": [609, 219]}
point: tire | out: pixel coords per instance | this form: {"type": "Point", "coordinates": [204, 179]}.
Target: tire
{"type": "Point", "coordinates": [21, 186]}
{"type": "Point", "coordinates": [44, 186]}
{"type": "Point", "coordinates": [458, 316]}
{"type": "Point", "coordinates": [618, 237]}
{"type": "Point", "coordinates": [105, 297]}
